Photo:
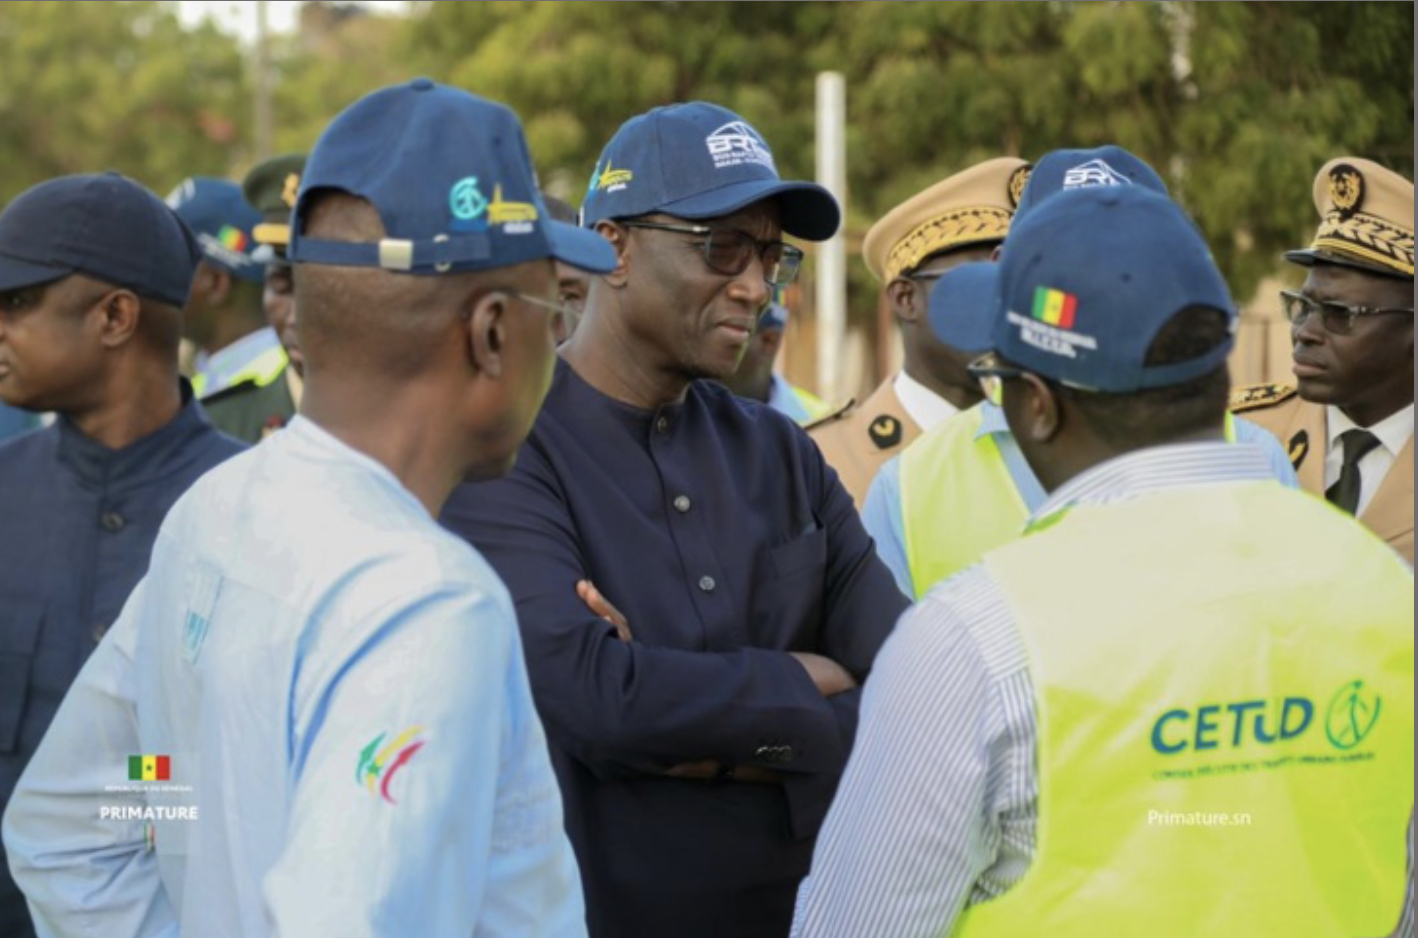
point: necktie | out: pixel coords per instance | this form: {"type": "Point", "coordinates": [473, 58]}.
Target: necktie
{"type": "Point", "coordinates": [1345, 492]}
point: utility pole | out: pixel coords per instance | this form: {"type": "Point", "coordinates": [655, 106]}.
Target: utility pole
{"type": "Point", "coordinates": [263, 134]}
{"type": "Point", "coordinates": [830, 292]}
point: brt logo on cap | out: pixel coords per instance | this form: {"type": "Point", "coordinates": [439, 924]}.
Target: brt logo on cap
{"type": "Point", "coordinates": [1094, 173]}
{"type": "Point", "coordinates": [737, 143]}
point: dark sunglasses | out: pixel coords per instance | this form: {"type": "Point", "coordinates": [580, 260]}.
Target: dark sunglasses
{"type": "Point", "coordinates": [1337, 318]}
{"type": "Point", "coordinates": [728, 251]}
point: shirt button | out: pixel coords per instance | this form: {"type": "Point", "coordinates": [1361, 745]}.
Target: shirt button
{"type": "Point", "coordinates": [682, 503]}
{"type": "Point", "coordinates": [706, 584]}
{"type": "Point", "coordinates": [112, 521]}
{"type": "Point", "coordinates": [661, 424]}
{"type": "Point", "coordinates": [99, 630]}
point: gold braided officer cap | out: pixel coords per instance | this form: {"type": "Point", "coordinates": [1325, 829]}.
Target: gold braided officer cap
{"type": "Point", "coordinates": [970, 207]}
{"type": "Point", "coordinates": [1368, 219]}
{"type": "Point", "coordinates": [271, 188]}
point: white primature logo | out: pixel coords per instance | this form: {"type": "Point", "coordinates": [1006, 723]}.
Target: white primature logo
{"type": "Point", "coordinates": [1094, 173]}
{"type": "Point", "coordinates": [737, 143]}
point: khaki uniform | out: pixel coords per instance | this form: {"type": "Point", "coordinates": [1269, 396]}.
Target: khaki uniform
{"type": "Point", "coordinates": [1302, 429]}
{"type": "Point", "coordinates": [967, 209]}
{"type": "Point", "coordinates": [857, 442]}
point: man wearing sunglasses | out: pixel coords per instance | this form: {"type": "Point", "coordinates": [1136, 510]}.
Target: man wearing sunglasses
{"type": "Point", "coordinates": [1349, 425]}
{"type": "Point", "coordinates": [956, 220]}
{"type": "Point", "coordinates": [964, 487]}
{"type": "Point", "coordinates": [699, 714]}
{"type": "Point", "coordinates": [1182, 703]}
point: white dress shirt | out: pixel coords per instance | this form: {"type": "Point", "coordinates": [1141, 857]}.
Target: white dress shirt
{"type": "Point", "coordinates": [925, 406]}
{"type": "Point", "coordinates": [1393, 432]}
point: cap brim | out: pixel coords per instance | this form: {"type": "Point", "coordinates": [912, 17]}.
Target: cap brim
{"type": "Point", "coordinates": [1307, 257]}
{"type": "Point", "coordinates": [586, 250]}
{"type": "Point", "coordinates": [962, 307]}
{"type": "Point", "coordinates": [16, 274]}
{"type": "Point", "coordinates": [807, 210]}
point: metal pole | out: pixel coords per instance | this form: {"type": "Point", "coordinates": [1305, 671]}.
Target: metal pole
{"type": "Point", "coordinates": [262, 136]}
{"type": "Point", "coordinates": [829, 289]}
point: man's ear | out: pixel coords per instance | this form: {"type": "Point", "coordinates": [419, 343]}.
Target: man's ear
{"type": "Point", "coordinates": [617, 235]}
{"type": "Point", "coordinates": [119, 312]}
{"type": "Point", "coordinates": [485, 330]}
{"type": "Point", "coordinates": [1040, 408]}
{"type": "Point", "coordinates": [902, 295]}
{"type": "Point", "coordinates": [211, 283]}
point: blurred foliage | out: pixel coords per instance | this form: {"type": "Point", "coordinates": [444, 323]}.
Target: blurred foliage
{"type": "Point", "coordinates": [1237, 104]}
{"type": "Point", "coordinates": [92, 86]}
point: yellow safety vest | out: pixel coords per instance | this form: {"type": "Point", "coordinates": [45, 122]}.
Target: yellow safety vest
{"type": "Point", "coordinates": [262, 370]}
{"type": "Point", "coordinates": [958, 499]}
{"type": "Point", "coordinates": [1241, 651]}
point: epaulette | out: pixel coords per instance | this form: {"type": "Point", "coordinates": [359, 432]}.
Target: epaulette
{"type": "Point", "coordinates": [838, 413]}
{"type": "Point", "coordinates": [1257, 396]}
{"type": "Point", "coordinates": [231, 390]}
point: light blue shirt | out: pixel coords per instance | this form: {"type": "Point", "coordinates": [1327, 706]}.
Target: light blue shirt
{"type": "Point", "coordinates": [784, 399]}
{"type": "Point", "coordinates": [338, 686]}
{"type": "Point", "coordinates": [883, 506]}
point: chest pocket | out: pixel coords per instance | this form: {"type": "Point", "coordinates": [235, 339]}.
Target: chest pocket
{"type": "Point", "coordinates": [796, 594]}
{"type": "Point", "coordinates": [19, 635]}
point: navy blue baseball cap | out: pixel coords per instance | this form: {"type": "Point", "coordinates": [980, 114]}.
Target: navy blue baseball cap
{"type": "Point", "coordinates": [962, 306]}
{"type": "Point", "coordinates": [222, 221]}
{"type": "Point", "coordinates": [1085, 284]}
{"type": "Point", "coordinates": [969, 325]}
{"type": "Point", "coordinates": [699, 161]}
{"type": "Point", "coordinates": [103, 225]}
{"type": "Point", "coordinates": [450, 175]}
{"type": "Point", "coordinates": [1065, 170]}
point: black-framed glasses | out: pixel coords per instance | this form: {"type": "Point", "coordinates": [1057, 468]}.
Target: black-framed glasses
{"type": "Point", "coordinates": [728, 251]}
{"type": "Point", "coordinates": [990, 371]}
{"type": "Point", "coordinates": [929, 277]}
{"type": "Point", "coordinates": [1337, 318]}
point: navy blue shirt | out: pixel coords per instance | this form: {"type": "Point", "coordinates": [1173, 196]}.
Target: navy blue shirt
{"type": "Point", "coordinates": [715, 526]}
{"type": "Point", "coordinates": [77, 523]}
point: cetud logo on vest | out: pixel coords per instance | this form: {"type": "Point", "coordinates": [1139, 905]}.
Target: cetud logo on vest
{"type": "Point", "coordinates": [1350, 716]}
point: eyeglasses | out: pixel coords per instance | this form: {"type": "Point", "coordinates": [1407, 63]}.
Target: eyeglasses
{"type": "Point", "coordinates": [728, 251]}
{"type": "Point", "coordinates": [1337, 318]}
{"type": "Point", "coordinates": [927, 276]}
{"type": "Point", "coordinates": [566, 311]}
{"type": "Point", "coordinates": [990, 371]}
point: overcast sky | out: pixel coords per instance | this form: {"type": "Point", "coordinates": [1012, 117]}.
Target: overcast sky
{"type": "Point", "coordinates": [241, 18]}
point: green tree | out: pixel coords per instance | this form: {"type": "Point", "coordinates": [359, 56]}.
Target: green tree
{"type": "Point", "coordinates": [92, 86]}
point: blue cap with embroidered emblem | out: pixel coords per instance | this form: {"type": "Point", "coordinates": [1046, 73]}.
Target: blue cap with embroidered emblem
{"type": "Point", "coordinates": [103, 225]}
{"type": "Point", "coordinates": [1085, 284]}
{"type": "Point", "coordinates": [962, 310]}
{"type": "Point", "coordinates": [697, 161]}
{"type": "Point", "coordinates": [222, 221]}
{"type": "Point", "coordinates": [1089, 279]}
{"type": "Point", "coordinates": [1065, 170]}
{"type": "Point", "coordinates": [450, 175]}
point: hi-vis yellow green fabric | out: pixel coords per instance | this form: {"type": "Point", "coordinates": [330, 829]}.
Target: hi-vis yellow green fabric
{"type": "Point", "coordinates": [262, 370]}
{"type": "Point", "coordinates": [953, 473]}
{"type": "Point", "coordinates": [957, 476]}
{"type": "Point", "coordinates": [1220, 670]}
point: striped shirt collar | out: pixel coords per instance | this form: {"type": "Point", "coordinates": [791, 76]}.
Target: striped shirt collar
{"type": "Point", "coordinates": [1155, 469]}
